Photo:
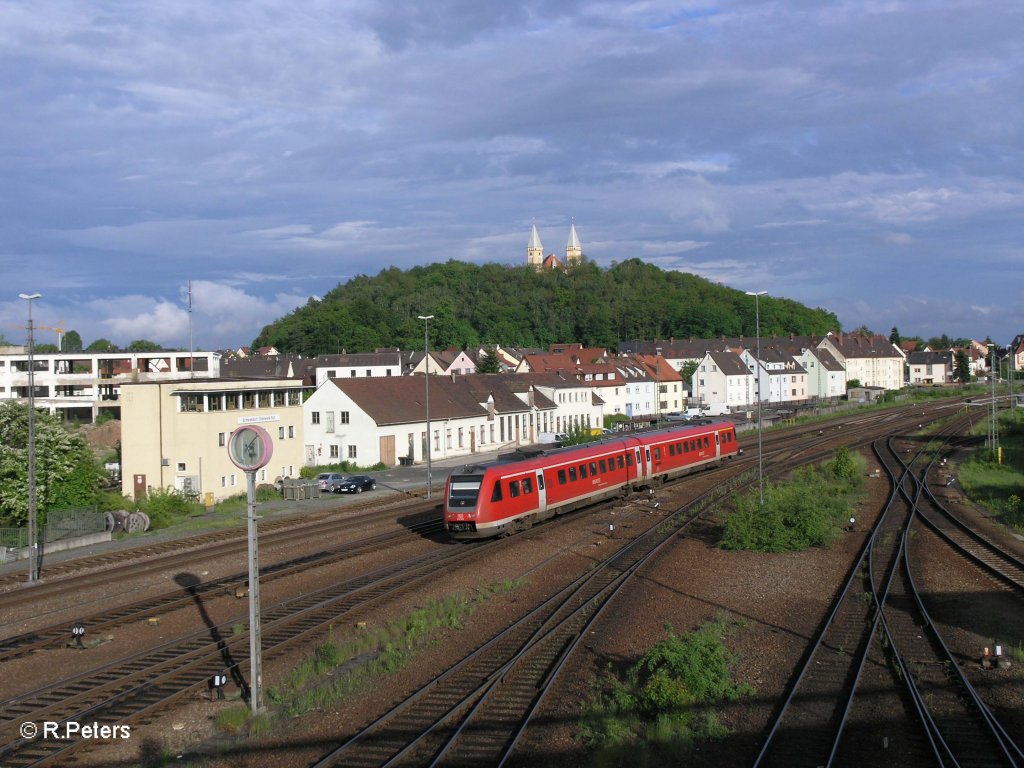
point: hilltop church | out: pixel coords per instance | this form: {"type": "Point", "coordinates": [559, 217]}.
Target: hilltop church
{"type": "Point", "coordinates": [535, 252]}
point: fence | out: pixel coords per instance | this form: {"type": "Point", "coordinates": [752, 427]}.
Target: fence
{"type": "Point", "coordinates": [60, 524]}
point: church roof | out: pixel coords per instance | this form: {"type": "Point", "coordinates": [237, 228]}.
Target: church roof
{"type": "Point", "coordinates": [535, 239]}
{"type": "Point", "coordinates": [574, 240]}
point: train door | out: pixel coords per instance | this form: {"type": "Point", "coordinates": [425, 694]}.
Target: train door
{"type": "Point", "coordinates": [542, 494]}
{"type": "Point", "coordinates": [641, 468]}
{"type": "Point", "coordinates": [718, 444]}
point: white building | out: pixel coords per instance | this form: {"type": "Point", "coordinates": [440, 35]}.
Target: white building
{"type": "Point", "coordinates": [77, 385]}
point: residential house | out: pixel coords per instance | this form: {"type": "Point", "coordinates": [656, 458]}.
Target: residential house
{"type": "Point", "coordinates": [826, 377]}
{"type": "Point", "coordinates": [723, 379]}
{"type": "Point", "coordinates": [874, 361]}
{"type": "Point", "coordinates": [779, 376]}
{"type": "Point", "coordinates": [370, 421]}
{"type": "Point", "coordinates": [931, 367]}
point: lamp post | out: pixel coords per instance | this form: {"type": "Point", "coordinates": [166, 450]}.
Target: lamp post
{"type": "Point", "coordinates": [426, 386]}
{"type": "Point", "coordinates": [757, 365]}
{"type": "Point", "coordinates": [33, 569]}
{"type": "Point", "coordinates": [993, 430]}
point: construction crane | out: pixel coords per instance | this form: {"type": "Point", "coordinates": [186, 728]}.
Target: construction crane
{"type": "Point", "coordinates": [58, 328]}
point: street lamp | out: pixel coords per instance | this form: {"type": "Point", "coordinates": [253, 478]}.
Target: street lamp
{"type": "Point", "coordinates": [994, 430]}
{"type": "Point", "coordinates": [33, 570]}
{"type": "Point", "coordinates": [757, 364]}
{"type": "Point", "coordinates": [426, 385]}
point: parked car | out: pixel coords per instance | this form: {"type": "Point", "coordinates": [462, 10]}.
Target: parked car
{"type": "Point", "coordinates": [356, 484]}
{"type": "Point", "coordinates": [329, 481]}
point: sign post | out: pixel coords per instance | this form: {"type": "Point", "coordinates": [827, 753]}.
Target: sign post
{"type": "Point", "coordinates": [250, 449]}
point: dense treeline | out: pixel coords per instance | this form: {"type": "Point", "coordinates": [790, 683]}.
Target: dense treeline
{"type": "Point", "coordinates": [497, 304]}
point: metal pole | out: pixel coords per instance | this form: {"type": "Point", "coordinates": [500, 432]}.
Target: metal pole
{"type": "Point", "coordinates": [995, 430]}
{"type": "Point", "coordinates": [426, 385]}
{"type": "Point", "coordinates": [657, 393]}
{"type": "Point", "coordinates": [255, 634]}
{"type": "Point", "coordinates": [33, 543]}
{"type": "Point", "coordinates": [757, 365]}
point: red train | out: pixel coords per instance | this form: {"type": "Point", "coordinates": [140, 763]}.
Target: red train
{"type": "Point", "coordinates": [506, 496]}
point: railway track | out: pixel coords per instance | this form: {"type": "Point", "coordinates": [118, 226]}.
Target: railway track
{"type": "Point", "coordinates": [474, 712]}
{"type": "Point", "coordinates": [189, 594]}
{"type": "Point", "coordinates": [880, 604]}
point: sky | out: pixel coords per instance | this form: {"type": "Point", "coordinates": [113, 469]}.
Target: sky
{"type": "Point", "coordinates": [865, 156]}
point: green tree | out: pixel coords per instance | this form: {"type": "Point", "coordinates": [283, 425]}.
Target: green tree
{"type": "Point", "coordinates": [72, 342]}
{"type": "Point", "coordinates": [687, 370]}
{"type": "Point", "coordinates": [102, 345]}
{"type": "Point", "coordinates": [67, 474]}
{"type": "Point", "coordinates": [143, 345]}
{"type": "Point", "coordinates": [961, 367]}
{"type": "Point", "coordinates": [45, 349]}
{"type": "Point", "coordinates": [487, 361]}
{"type": "Point", "coordinates": [894, 336]}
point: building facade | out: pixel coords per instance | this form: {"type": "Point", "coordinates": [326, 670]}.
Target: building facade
{"type": "Point", "coordinates": [174, 434]}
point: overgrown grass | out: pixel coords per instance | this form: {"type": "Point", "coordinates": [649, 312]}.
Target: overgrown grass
{"type": "Point", "coordinates": [662, 707]}
{"type": "Point", "coordinates": [347, 666]}
{"type": "Point", "coordinates": [808, 510]}
{"type": "Point", "coordinates": [999, 487]}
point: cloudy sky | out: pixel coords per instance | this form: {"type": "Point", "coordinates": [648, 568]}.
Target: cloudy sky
{"type": "Point", "coordinates": [862, 156]}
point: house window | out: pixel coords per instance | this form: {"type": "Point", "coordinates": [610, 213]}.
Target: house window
{"type": "Point", "coordinates": [351, 451]}
{"type": "Point", "coordinates": [315, 417]}
{"type": "Point", "coordinates": [334, 452]}
{"type": "Point", "coordinates": [291, 430]}
{"type": "Point", "coordinates": [332, 374]}
{"type": "Point", "coordinates": [460, 437]}
{"type": "Point", "coordinates": [280, 433]}
{"type": "Point", "coordinates": [352, 374]}
{"type": "Point", "coordinates": [221, 438]}
{"type": "Point", "coordinates": [181, 466]}
{"type": "Point", "coordinates": [223, 481]}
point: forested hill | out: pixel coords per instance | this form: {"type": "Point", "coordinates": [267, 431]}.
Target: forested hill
{"type": "Point", "coordinates": [516, 306]}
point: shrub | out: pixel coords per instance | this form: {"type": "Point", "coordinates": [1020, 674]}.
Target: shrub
{"type": "Point", "coordinates": [662, 706]}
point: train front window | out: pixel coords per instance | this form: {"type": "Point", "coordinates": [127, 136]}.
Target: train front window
{"type": "Point", "coordinates": [464, 490]}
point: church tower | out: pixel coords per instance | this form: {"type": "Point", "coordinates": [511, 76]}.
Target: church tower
{"type": "Point", "coordinates": [534, 251]}
{"type": "Point", "coordinates": [573, 249]}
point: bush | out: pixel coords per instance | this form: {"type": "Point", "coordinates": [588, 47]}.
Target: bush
{"type": "Point", "coordinates": [166, 506]}
{"type": "Point", "coordinates": [807, 511]}
{"type": "Point", "coordinates": [662, 707]}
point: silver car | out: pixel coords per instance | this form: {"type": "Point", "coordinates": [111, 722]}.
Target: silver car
{"type": "Point", "coordinates": [329, 481]}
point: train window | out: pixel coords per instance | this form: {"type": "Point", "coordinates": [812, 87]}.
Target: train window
{"type": "Point", "coordinates": [561, 477]}
{"type": "Point", "coordinates": [572, 474]}
{"type": "Point", "coordinates": [540, 482]}
{"type": "Point", "coordinates": [527, 485]}
{"type": "Point", "coordinates": [593, 468]}
{"type": "Point", "coordinates": [707, 441]}
{"type": "Point", "coordinates": [513, 488]}
{"type": "Point", "coordinates": [629, 459]}
{"type": "Point", "coordinates": [583, 471]}
{"type": "Point", "coordinates": [464, 490]}
{"type": "Point", "coordinates": [671, 449]}
{"type": "Point", "coordinates": [496, 496]}
{"type": "Point", "coordinates": [679, 447]}
{"type": "Point", "coordinates": [686, 446]}
{"type": "Point", "coordinates": [604, 466]}
{"type": "Point", "coordinates": [621, 461]}
{"type": "Point", "coordinates": [657, 454]}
